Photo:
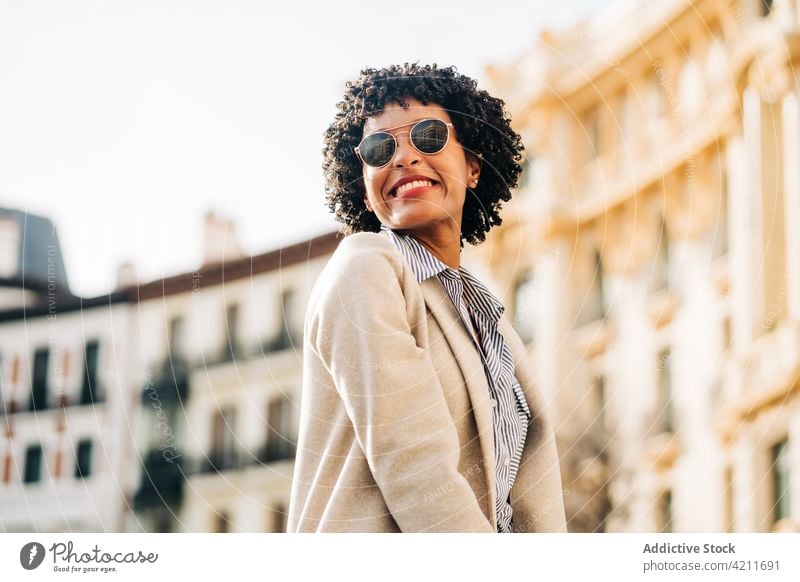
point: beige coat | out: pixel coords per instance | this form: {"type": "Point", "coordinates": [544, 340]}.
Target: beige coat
{"type": "Point", "coordinates": [395, 423]}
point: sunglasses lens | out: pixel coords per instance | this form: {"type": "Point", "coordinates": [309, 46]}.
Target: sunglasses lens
{"type": "Point", "coordinates": [377, 149]}
{"type": "Point", "coordinates": [430, 136]}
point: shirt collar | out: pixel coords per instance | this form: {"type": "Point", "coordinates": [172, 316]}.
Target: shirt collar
{"type": "Point", "coordinates": [425, 265]}
{"type": "Point", "coordinates": [422, 262]}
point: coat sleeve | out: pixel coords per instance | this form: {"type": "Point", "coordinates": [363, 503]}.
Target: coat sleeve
{"type": "Point", "coordinates": [359, 327]}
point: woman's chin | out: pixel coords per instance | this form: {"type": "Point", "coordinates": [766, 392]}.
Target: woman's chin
{"type": "Point", "coordinates": [412, 226]}
{"type": "Point", "coordinates": [416, 220]}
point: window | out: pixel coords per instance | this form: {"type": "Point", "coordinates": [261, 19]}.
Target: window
{"type": "Point", "coordinates": [176, 337]}
{"type": "Point", "coordinates": [89, 390]}
{"type": "Point", "coordinates": [728, 499]}
{"type": "Point", "coordinates": [525, 311]}
{"type": "Point", "coordinates": [287, 335]}
{"type": "Point", "coordinates": [780, 480]}
{"type": "Point", "coordinates": [33, 464]}
{"type": "Point", "coordinates": [280, 435]}
{"type": "Point", "coordinates": [41, 360]}
{"type": "Point", "coordinates": [592, 135]}
{"type": "Point", "coordinates": [277, 519]}
{"type": "Point", "coordinates": [598, 284]}
{"type": "Point", "coordinates": [663, 419]}
{"type": "Point", "coordinates": [162, 521]}
{"type": "Point", "coordinates": [770, 266]}
{"type": "Point", "coordinates": [229, 350]}
{"type": "Point", "coordinates": [727, 333]}
{"type": "Point", "coordinates": [660, 271]}
{"type": "Point", "coordinates": [83, 457]}
{"type": "Point", "coordinates": [665, 510]}
{"type": "Point", "coordinates": [720, 184]}
{"type": "Point", "coordinates": [591, 302]}
{"type": "Point", "coordinates": [223, 446]}
{"type": "Point", "coordinates": [599, 396]}
{"type": "Point", "coordinates": [222, 522]}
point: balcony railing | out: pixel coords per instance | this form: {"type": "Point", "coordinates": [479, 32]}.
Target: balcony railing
{"type": "Point", "coordinates": [283, 341]}
{"type": "Point", "coordinates": [236, 459]}
{"type": "Point", "coordinates": [50, 400]}
{"type": "Point", "coordinates": [219, 461]}
{"type": "Point", "coordinates": [161, 483]}
{"type": "Point", "coordinates": [277, 450]}
{"type": "Point", "coordinates": [169, 382]}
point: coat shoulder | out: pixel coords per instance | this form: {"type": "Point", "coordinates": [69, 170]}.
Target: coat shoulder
{"type": "Point", "coordinates": [363, 264]}
{"type": "Point", "coordinates": [362, 255]}
{"type": "Point", "coordinates": [363, 242]}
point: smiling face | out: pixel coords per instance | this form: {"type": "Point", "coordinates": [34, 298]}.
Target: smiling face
{"type": "Point", "coordinates": [431, 205]}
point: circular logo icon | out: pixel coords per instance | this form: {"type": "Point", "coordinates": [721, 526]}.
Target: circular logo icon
{"type": "Point", "coordinates": [31, 555]}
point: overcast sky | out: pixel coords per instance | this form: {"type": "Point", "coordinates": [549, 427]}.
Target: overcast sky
{"type": "Point", "coordinates": [124, 122]}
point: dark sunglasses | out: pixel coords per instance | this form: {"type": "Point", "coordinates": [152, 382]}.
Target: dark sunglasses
{"type": "Point", "coordinates": [428, 136]}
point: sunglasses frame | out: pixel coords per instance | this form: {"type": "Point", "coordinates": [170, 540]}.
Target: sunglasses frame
{"type": "Point", "coordinates": [413, 124]}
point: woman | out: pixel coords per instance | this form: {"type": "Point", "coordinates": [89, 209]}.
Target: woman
{"type": "Point", "coordinates": [418, 411]}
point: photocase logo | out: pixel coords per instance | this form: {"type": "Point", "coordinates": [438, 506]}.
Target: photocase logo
{"type": "Point", "coordinates": [31, 555]}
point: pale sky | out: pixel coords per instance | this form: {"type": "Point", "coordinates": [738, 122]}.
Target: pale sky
{"type": "Point", "coordinates": [124, 122]}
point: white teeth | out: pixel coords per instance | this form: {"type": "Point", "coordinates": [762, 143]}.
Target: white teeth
{"type": "Point", "coordinates": [410, 185]}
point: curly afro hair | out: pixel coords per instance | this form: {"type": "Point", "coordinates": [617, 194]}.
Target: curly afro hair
{"type": "Point", "coordinates": [481, 124]}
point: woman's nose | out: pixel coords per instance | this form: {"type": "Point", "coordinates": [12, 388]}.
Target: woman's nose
{"type": "Point", "coordinates": [406, 154]}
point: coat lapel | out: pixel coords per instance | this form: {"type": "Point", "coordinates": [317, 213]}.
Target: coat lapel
{"type": "Point", "coordinates": [469, 361]}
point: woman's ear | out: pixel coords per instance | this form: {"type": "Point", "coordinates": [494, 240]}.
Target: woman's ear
{"type": "Point", "coordinates": [474, 163]}
{"type": "Point", "coordinates": [366, 203]}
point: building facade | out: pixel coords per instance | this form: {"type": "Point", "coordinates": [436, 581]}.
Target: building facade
{"type": "Point", "coordinates": [651, 258]}
{"type": "Point", "coordinates": [165, 406]}
{"type": "Point", "coordinates": [62, 389]}
{"type": "Point", "coordinates": [220, 358]}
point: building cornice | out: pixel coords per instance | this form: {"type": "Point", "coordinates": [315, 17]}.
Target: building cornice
{"type": "Point", "coordinates": [238, 269]}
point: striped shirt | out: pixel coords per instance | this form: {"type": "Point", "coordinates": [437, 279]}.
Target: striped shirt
{"type": "Point", "coordinates": [480, 313]}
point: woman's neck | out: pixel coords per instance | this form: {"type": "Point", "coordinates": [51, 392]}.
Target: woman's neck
{"type": "Point", "coordinates": [444, 246]}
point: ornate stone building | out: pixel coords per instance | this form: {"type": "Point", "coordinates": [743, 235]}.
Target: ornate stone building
{"type": "Point", "coordinates": [651, 258]}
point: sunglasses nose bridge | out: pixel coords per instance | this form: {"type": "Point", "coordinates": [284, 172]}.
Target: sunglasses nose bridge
{"type": "Point", "coordinates": [405, 151]}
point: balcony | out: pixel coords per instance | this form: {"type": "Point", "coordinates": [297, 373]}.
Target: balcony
{"type": "Point", "coordinates": [282, 341]}
{"type": "Point", "coordinates": [236, 459]}
{"type": "Point", "coordinates": [169, 382]}
{"type": "Point", "coordinates": [277, 450]}
{"type": "Point", "coordinates": [161, 483]}
{"type": "Point", "coordinates": [42, 402]}
{"type": "Point", "coordinates": [219, 461]}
